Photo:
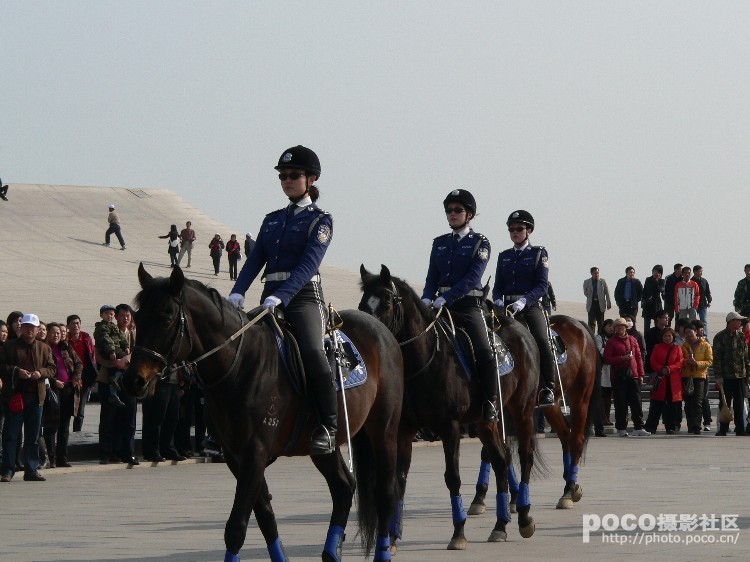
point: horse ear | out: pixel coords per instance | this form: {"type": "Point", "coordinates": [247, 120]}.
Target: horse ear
{"type": "Point", "coordinates": [363, 273]}
{"type": "Point", "coordinates": [144, 277]}
{"type": "Point", "coordinates": [176, 281]}
{"type": "Point", "coordinates": [385, 273]}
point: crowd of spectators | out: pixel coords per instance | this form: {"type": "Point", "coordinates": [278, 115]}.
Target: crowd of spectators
{"type": "Point", "coordinates": [47, 374]}
{"type": "Point", "coordinates": [674, 361]}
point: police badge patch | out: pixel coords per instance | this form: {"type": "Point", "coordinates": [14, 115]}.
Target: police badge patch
{"type": "Point", "coordinates": [324, 234]}
{"type": "Point", "coordinates": [287, 157]}
{"type": "Point", "coordinates": [484, 254]}
{"type": "Point", "coordinates": [544, 262]}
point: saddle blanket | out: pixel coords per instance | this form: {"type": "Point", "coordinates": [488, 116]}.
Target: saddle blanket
{"type": "Point", "coordinates": [355, 374]}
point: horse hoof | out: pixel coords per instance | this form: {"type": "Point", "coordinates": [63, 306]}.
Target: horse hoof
{"type": "Point", "coordinates": [477, 509]}
{"type": "Point", "coordinates": [528, 530]}
{"type": "Point", "coordinates": [565, 503]}
{"type": "Point", "coordinates": [458, 544]}
{"type": "Point", "coordinates": [498, 536]}
{"type": "Point", "coordinates": [577, 494]}
{"type": "Point", "coordinates": [513, 507]}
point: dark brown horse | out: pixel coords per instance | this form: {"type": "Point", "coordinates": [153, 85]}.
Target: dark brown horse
{"type": "Point", "coordinates": [257, 416]}
{"type": "Point", "coordinates": [439, 396]}
{"type": "Point", "coordinates": [581, 386]}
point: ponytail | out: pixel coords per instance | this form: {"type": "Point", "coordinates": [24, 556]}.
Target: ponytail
{"type": "Point", "coordinates": [314, 192]}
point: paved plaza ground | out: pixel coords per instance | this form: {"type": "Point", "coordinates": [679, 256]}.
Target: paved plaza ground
{"type": "Point", "coordinates": [177, 512]}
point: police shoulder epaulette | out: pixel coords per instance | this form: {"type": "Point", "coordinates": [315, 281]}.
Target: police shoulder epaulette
{"type": "Point", "coordinates": [283, 209]}
{"type": "Point", "coordinates": [448, 235]}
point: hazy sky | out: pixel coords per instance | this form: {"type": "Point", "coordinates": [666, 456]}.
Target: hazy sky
{"type": "Point", "coordinates": [623, 127]}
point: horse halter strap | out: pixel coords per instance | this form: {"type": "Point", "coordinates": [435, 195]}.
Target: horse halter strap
{"type": "Point", "coordinates": [173, 354]}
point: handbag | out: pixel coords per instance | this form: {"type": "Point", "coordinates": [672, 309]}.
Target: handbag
{"type": "Point", "coordinates": [89, 371]}
{"type": "Point", "coordinates": [688, 387]}
{"type": "Point", "coordinates": [52, 400]}
{"type": "Point", "coordinates": [15, 403]}
{"type": "Point", "coordinates": [725, 414]}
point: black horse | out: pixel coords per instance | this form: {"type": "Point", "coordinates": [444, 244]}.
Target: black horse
{"type": "Point", "coordinates": [256, 415]}
{"type": "Point", "coordinates": [580, 383]}
{"type": "Point", "coordinates": [439, 396]}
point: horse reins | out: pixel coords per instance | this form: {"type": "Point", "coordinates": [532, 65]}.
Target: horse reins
{"type": "Point", "coordinates": [184, 330]}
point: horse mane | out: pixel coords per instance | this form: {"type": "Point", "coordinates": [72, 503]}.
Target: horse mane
{"type": "Point", "coordinates": [153, 293]}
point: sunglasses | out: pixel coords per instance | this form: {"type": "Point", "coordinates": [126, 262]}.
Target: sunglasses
{"type": "Point", "coordinates": [516, 228]}
{"type": "Point", "coordinates": [292, 176]}
{"type": "Point", "coordinates": [457, 210]}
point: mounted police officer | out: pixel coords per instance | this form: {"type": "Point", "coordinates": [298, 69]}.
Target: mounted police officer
{"type": "Point", "coordinates": [520, 284]}
{"type": "Point", "coordinates": [457, 262]}
{"type": "Point", "coordinates": [291, 244]}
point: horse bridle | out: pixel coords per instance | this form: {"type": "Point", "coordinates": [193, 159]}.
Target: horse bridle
{"type": "Point", "coordinates": [173, 357]}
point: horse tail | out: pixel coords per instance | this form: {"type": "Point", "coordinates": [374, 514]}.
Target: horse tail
{"type": "Point", "coordinates": [595, 400]}
{"type": "Point", "coordinates": [539, 469]}
{"type": "Point", "coordinates": [364, 472]}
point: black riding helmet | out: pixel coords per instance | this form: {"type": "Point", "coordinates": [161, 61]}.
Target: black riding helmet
{"type": "Point", "coordinates": [301, 158]}
{"type": "Point", "coordinates": [464, 198]}
{"type": "Point", "coordinates": [524, 217]}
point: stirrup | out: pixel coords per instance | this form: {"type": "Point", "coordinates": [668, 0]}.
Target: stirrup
{"type": "Point", "coordinates": [323, 441]}
{"type": "Point", "coordinates": [546, 398]}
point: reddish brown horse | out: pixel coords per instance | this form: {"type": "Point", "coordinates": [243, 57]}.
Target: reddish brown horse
{"type": "Point", "coordinates": [439, 396]}
{"type": "Point", "coordinates": [581, 386]}
{"type": "Point", "coordinates": [256, 414]}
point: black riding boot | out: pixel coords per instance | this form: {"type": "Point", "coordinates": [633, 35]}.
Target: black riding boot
{"type": "Point", "coordinates": [488, 374]}
{"type": "Point", "coordinates": [323, 440]}
{"type": "Point", "coordinates": [547, 378]}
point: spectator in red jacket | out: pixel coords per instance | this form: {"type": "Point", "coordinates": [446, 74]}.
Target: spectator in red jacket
{"type": "Point", "coordinates": [666, 362]}
{"type": "Point", "coordinates": [624, 356]}
{"type": "Point", "coordinates": [687, 296]}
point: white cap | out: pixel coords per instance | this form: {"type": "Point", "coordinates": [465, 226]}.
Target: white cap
{"type": "Point", "coordinates": [111, 206]}
{"type": "Point", "coordinates": [32, 319]}
{"type": "Point", "coordinates": [250, 234]}
{"type": "Point", "coordinates": [731, 316]}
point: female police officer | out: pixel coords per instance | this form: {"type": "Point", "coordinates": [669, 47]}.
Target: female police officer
{"type": "Point", "coordinates": [457, 262]}
{"type": "Point", "coordinates": [291, 244]}
{"type": "Point", "coordinates": [520, 284]}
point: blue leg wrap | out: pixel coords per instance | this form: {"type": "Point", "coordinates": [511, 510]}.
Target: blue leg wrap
{"type": "Point", "coordinates": [229, 557]}
{"type": "Point", "coordinates": [524, 496]}
{"type": "Point", "coordinates": [395, 526]}
{"type": "Point", "coordinates": [334, 538]}
{"type": "Point", "coordinates": [382, 548]}
{"type": "Point", "coordinates": [512, 480]}
{"type": "Point", "coordinates": [503, 512]}
{"type": "Point", "coordinates": [574, 473]}
{"type": "Point", "coordinates": [457, 507]}
{"type": "Point", "coordinates": [276, 551]}
{"type": "Point", "coordinates": [567, 461]}
{"type": "Point", "coordinates": [484, 474]}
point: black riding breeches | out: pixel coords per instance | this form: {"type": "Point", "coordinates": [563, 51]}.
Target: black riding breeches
{"type": "Point", "coordinates": [306, 314]}
{"type": "Point", "coordinates": [534, 318]}
{"type": "Point", "coordinates": [469, 315]}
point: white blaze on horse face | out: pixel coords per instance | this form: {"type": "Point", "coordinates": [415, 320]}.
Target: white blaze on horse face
{"type": "Point", "coordinates": [373, 302]}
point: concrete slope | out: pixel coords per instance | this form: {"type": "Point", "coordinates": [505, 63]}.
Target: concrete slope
{"type": "Point", "coordinates": [54, 263]}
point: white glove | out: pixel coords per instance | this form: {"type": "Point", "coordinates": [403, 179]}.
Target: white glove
{"type": "Point", "coordinates": [518, 305]}
{"type": "Point", "coordinates": [427, 302]}
{"type": "Point", "coordinates": [439, 303]}
{"type": "Point", "coordinates": [500, 303]}
{"type": "Point", "coordinates": [271, 302]}
{"type": "Point", "coordinates": [237, 300]}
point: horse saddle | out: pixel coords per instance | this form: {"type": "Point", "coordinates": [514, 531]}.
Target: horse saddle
{"type": "Point", "coordinates": [465, 351]}
{"type": "Point", "coordinates": [353, 369]}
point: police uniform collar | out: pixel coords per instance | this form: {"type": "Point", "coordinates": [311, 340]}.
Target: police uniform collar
{"type": "Point", "coordinates": [461, 233]}
{"type": "Point", "coordinates": [526, 244]}
{"type": "Point", "coordinates": [306, 201]}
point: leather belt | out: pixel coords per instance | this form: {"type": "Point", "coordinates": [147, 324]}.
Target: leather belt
{"type": "Point", "coordinates": [284, 275]}
{"type": "Point", "coordinates": [512, 298]}
{"type": "Point", "coordinates": [472, 293]}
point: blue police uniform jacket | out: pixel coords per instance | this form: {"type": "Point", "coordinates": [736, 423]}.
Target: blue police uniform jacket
{"type": "Point", "coordinates": [294, 244]}
{"type": "Point", "coordinates": [456, 265]}
{"type": "Point", "coordinates": [522, 274]}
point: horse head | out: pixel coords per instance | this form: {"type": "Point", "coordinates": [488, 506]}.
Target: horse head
{"type": "Point", "coordinates": [162, 337]}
